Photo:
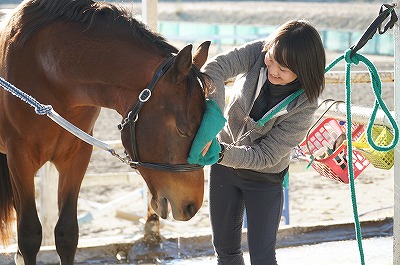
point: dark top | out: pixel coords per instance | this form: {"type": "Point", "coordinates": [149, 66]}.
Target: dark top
{"type": "Point", "coordinates": [270, 95]}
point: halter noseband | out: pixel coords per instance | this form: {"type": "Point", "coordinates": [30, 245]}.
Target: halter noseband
{"type": "Point", "coordinates": [133, 116]}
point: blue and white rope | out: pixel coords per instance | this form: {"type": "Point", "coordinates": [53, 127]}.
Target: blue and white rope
{"type": "Point", "coordinates": [41, 109]}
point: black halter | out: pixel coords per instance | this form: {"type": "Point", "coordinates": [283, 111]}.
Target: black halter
{"type": "Point", "coordinates": [133, 116]}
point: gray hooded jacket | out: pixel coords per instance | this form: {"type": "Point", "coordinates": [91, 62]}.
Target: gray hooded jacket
{"type": "Point", "coordinates": [266, 149]}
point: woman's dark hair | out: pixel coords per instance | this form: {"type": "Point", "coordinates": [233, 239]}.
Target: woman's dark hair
{"type": "Point", "coordinates": [297, 46]}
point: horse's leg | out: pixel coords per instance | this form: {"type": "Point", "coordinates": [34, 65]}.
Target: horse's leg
{"type": "Point", "coordinates": [29, 228]}
{"type": "Point", "coordinates": [29, 231]}
{"type": "Point", "coordinates": [72, 170]}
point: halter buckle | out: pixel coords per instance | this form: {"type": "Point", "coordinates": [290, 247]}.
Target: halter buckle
{"type": "Point", "coordinates": [144, 95]}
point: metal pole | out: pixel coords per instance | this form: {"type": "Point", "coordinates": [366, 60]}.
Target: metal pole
{"type": "Point", "coordinates": [396, 222]}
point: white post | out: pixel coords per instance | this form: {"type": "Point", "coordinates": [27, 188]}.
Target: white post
{"type": "Point", "coordinates": [152, 226]}
{"type": "Point", "coordinates": [150, 13]}
{"type": "Point", "coordinates": [396, 222]}
{"type": "Point", "coordinates": [48, 202]}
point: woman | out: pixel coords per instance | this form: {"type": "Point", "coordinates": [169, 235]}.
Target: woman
{"type": "Point", "coordinates": [254, 159]}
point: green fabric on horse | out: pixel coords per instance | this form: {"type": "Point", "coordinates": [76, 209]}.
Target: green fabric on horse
{"type": "Point", "coordinates": [213, 122]}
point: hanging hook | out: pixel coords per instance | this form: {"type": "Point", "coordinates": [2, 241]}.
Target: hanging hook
{"type": "Point", "coordinates": [376, 25]}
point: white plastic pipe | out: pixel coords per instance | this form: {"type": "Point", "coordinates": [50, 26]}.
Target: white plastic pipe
{"type": "Point", "coordinates": [396, 224]}
{"type": "Point", "coordinates": [359, 114]}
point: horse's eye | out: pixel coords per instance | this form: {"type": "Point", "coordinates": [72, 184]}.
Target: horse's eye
{"type": "Point", "coordinates": [182, 133]}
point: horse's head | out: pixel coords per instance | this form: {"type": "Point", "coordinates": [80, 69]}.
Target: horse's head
{"type": "Point", "coordinates": [160, 133]}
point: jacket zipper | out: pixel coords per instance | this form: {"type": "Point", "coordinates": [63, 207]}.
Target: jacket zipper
{"type": "Point", "coordinates": [247, 117]}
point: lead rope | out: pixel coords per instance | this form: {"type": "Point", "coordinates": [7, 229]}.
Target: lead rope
{"type": "Point", "coordinates": [48, 110]}
{"type": "Point", "coordinates": [377, 89]}
{"type": "Point", "coordinates": [351, 56]}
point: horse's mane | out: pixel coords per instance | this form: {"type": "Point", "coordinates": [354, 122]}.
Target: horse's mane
{"type": "Point", "coordinates": [101, 17]}
{"type": "Point", "coordinates": [104, 19]}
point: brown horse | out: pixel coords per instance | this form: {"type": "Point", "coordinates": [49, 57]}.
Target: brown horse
{"type": "Point", "coordinates": [79, 56]}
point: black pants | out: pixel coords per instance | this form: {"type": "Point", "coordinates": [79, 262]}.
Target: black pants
{"type": "Point", "coordinates": [229, 195]}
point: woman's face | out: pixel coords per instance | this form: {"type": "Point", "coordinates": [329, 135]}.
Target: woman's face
{"type": "Point", "coordinates": [278, 74]}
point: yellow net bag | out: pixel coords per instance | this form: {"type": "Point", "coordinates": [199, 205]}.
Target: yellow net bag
{"type": "Point", "coordinates": [382, 136]}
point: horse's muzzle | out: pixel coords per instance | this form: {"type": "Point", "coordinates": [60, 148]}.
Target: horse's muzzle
{"type": "Point", "coordinates": [184, 213]}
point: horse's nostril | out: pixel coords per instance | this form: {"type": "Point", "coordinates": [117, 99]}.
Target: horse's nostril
{"type": "Point", "coordinates": [191, 210]}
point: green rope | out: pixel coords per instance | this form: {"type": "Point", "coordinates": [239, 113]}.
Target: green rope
{"type": "Point", "coordinates": [377, 89]}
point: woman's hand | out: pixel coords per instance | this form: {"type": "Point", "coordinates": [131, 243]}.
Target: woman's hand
{"type": "Point", "coordinates": [205, 149]}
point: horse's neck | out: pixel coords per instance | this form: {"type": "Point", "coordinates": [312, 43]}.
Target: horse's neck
{"type": "Point", "coordinates": [4, 45]}
{"type": "Point", "coordinates": [102, 73]}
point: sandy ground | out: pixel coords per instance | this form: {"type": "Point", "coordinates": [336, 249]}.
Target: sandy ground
{"type": "Point", "coordinates": [313, 199]}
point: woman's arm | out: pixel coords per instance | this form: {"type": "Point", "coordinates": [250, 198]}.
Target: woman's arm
{"type": "Point", "coordinates": [229, 64]}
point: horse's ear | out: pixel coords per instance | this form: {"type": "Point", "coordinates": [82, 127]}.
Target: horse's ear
{"type": "Point", "coordinates": [182, 64]}
{"type": "Point", "coordinates": [201, 54]}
